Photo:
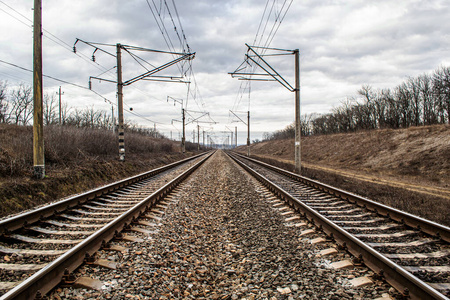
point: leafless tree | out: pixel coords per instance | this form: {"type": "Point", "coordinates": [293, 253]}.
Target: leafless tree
{"type": "Point", "coordinates": [4, 116]}
{"type": "Point", "coordinates": [65, 112]}
{"type": "Point", "coordinates": [21, 105]}
{"type": "Point", "coordinates": [50, 110]}
{"type": "Point", "coordinates": [441, 85]}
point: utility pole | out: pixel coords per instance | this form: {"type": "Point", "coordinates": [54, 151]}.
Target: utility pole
{"type": "Point", "coordinates": [298, 128]}
{"type": "Point", "coordinates": [183, 139]}
{"type": "Point", "coordinates": [248, 133]}
{"type": "Point", "coordinates": [204, 139]}
{"type": "Point", "coordinates": [120, 103]}
{"type": "Point", "coordinates": [235, 136]}
{"type": "Point", "coordinates": [255, 58]}
{"type": "Point", "coordinates": [198, 137]}
{"type": "Point", "coordinates": [154, 129]}
{"type": "Point", "coordinates": [38, 117]}
{"type": "Point", "coordinates": [60, 114]}
{"type": "Point", "coordinates": [148, 75]}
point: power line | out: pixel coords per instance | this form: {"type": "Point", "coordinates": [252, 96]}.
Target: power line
{"type": "Point", "coordinates": [50, 35]}
{"type": "Point", "coordinates": [85, 88]}
{"type": "Point", "coordinates": [279, 15]}
{"type": "Point", "coordinates": [194, 91]}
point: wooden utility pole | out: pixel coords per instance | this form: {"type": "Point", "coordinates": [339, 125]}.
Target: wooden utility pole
{"type": "Point", "coordinates": [248, 133]}
{"type": "Point", "coordinates": [60, 114]}
{"type": "Point", "coordinates": [183, 138]}
{"type": "Point", "coordinates": [298, 128]}
{"type": "Point", "coordinates": [38, 116]}
{"type": "Point", "coordinates": [120, 104]}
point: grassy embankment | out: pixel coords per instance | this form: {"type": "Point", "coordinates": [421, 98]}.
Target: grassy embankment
{"type": "Point", "coordinates": [77, 159]}
{"type": "Point", "coordinates": [406, 168]}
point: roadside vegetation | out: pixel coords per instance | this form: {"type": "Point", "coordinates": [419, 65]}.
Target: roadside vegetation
{"type": "Point", "coordinates": [405, 168]}
{"type": "Point", "coordinates": [399, 135]}
{"type": "Point", "coordinates": [77, 159]}
{"type": "Point", "coordinates": [81, 150]}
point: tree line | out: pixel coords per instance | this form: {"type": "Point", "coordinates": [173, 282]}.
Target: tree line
{"type": "Point", "coordinates": [422, 100]}
{"type": "Point", "coordinates": [16, 107]}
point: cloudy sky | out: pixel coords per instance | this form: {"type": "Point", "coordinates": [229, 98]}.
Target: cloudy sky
{"type": "Point", "coordinates": [343, 45]}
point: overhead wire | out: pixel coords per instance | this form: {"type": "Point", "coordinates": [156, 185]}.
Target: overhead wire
{"type": "Point", "coordinates": [261, 36]}
{"type": "Point", "coordinates": [192, 85]}
{"type": "Point", "coordinates": [163, 29]}
{"type": "Point", "coordinates": [47, 34]}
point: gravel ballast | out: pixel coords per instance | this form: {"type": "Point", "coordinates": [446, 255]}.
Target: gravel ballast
{"type": "Point", "coordinates": [221, 240]}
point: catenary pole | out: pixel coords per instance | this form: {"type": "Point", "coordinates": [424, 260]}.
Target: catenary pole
{"type": "Point", "coordinates": [38, 117]}
{"type": "Point", "coordinates": [235, 136]}
{"type": "Point", "coordinates": [113, 120]}
{"type": "Point", "coordinates": [248, 133]}
{"type": "Point", "coordinates": [60, 112]}
{"type": "Point", "coordinates": [183, 139]}
{"type": "Point", "coordinates": [198, 137]}
{"type": "Point", "coordinates": [298, 128]}
{"type": "Point", "coordinates": [120, 104]}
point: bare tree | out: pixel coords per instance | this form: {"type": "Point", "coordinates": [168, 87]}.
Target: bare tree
{"type": "Point", "coordinates": [4, 116]}
{"type": "Point", "coordinates": [65, 113]}
{"type": "Point", "coordinates": [50, 109]}
{"type": "Point", "coordinates": [22, 105]}
{"type": "Point", "coordinates": [441, 85]}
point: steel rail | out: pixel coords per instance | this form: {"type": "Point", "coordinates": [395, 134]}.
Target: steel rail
{"type": "Point", "coordinates": [394, 274]}
{"type": "Point", "coordinates": [51, 275]}
{"type": "Point", "coordinates": [30, 217]}
{"type": "Point", "coordinates": [407, 219]}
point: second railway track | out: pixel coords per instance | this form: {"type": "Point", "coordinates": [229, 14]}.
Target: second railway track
{"type": "Point", "coordinates": [411, 253]}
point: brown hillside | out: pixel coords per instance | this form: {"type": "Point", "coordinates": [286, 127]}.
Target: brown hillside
{"type": "Point", "coordinates": [396, 167]}
{"type": "Point", "coordinates": [420, 152]}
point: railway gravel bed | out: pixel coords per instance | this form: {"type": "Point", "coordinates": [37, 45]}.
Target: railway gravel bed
{"type": "Point", "coordinates": [65, 229]}
{"type": "Point", "coordinates": [221, 239]}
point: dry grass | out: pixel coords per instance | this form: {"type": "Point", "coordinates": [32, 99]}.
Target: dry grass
{"type": "Point", "coordinates": [65, 145]}
{"type": "Point", "coordinates": [418, 156]}
{"type": "Point", "coordinates": [76, 160]}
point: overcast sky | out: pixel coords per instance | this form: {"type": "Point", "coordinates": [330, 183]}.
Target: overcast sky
{"type": "Point", "coordinates": [343, 45]}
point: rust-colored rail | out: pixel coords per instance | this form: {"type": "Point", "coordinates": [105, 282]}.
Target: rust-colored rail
{"type": "Point", "coordinates": [30, 217]}
{"type": "Point", "coordinates": [390, 271]}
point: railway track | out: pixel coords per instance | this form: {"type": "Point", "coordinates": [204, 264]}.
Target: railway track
{"type": "Point", "coordinates": [41, 248]}
{"type": "Point", "coordinates": [410, 253]}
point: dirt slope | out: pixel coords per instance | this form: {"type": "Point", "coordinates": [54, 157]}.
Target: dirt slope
{"type": "Point", "coordinates": [417, 153]}
{"type": "Point", "coordinates": [407, 168]}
